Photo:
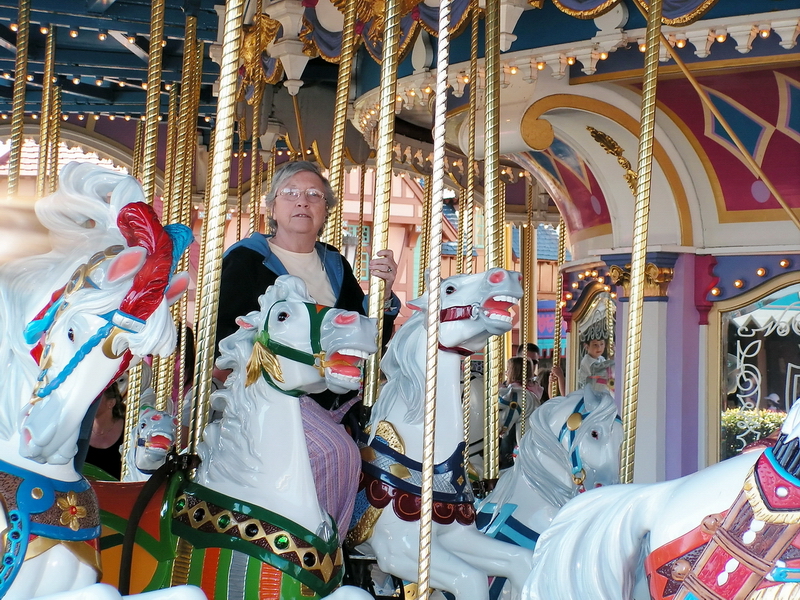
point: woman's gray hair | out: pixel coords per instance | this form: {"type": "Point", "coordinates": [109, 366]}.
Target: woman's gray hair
{"type": "Point", "coordinates": [280, 178]}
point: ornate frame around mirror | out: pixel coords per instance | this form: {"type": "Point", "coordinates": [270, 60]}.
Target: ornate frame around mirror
{"type": "Point", "coordinates": [745, 361]}
{"type": "Point", "coordinates": [593, 317]}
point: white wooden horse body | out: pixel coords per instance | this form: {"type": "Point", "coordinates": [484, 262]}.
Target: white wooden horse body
{"type": "Point", "coordinates": [474, 307]}
{"type": "Point", "coordinates": [83, 338]}
{"type": "Point", "coordinates": [596, 544]}
{"type": "Point", "coordinates": [257, 453]}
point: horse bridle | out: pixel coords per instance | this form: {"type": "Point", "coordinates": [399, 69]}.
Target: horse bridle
{"type": "Point", "coordinates": [315, 358]}
{"type": "Point", "coordinates": [116, 321]}
{"type": "Point", "coordinates": [570, 431]}
{"type": "Point", "coordinates": [459, 313]}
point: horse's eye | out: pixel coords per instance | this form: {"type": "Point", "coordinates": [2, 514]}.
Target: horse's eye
{"type": "Point", "coordinates": [449, 289]}
{"type": "Point", "coordinates": [283, 316]}
{"type": "Point", "coordinates": [595, 434]}
{"type": "Point", "coordinates": [71, 335]}
{"type": "Point", "coordinates": [144, 425]}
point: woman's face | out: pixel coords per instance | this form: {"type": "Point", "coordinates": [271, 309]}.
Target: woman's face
{"type": "Point", "coordinates": [303, 215]}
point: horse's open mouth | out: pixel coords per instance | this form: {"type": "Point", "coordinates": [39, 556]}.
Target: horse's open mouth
{"type": "Point", "coordinates": [346, 362]}
{"type": "Point", "coordinates": [499, 307]}
{"type": "Point", "coordinates": [158, 442]}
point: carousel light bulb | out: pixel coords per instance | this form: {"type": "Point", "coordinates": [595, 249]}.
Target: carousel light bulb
{"type": "Point", "coordinates": [131, 38]}
{"type": "Point", "coordinates": [29, 77]}
{"type": "Point", "coordinates": [73, 33]}
{"type": "Point", "coordinates": [575, 285]}
{"type": "Point", "coordinates": [613, 294]}
{"type": "Point", "coordinates": [715, 291]}
{"type": "Point", "coordinates": [412, 93]}
{"type": "Point", "coordinates": [121, 83]}
{"type": "Point", "coordinates": [54, 79]}
{"type": "Point", "coordinates": [427, 89]}
{"type": "Point", "coordinates": [35, 116]}
{"type": "Point", "coordinates": [680, 42]}
{"type": "Point", "coordinates": [280, 152]}
{"type": "Point", "coordinates": [594, 273]}
{"type": "Point", "coordinates": [207, 119]}
{"type": "Point", "coordinates": [721, 37]}
{"type": "Point", "coordinates": [127, 117]}
{"type": "Point", "coordinates": [580, 276]}
{"type": "Point", "coordinates": [570, 60]}
{"type": "Point", "coordinates": [761, 271]}
{"type": "Point", "coordinates": [642, 47]}
{"type": "Point", "coordinates": [6, 75]}
{"type": "Point", "coordinates": [607, 288]}
{"type": "Point", "coordinates": [81, 117]}
{"type": "Point", "coordinates": [603, 55]}
{"type": "Point", "coordinates": [784, 263]}
{"type": "Point", "coordinates": [102, 35]}
{"type": "Point", "coordinates": [563, 304]}
{"type": "Point", "coordinates": [96, 117]}
{"type": "Point", "coordinates": [44, 30]}
{"type": "Point", "coordinates": [98, 81]}
{"type": "Point", "coordinates": [738, 283]}
{"type": "Point", "coordinates": [308, 151]}
{"type": "Point", "coordinates": [112, 117]}
{"type": "Point", "coordinates": [601, 279]}
{"type": "Point", "coordinates": [568, 296]}
{"type": "Point", "coordinates": [4, 116]}
{"type": "Point", "coordinates": [399, 99]}
{"type": "Point", "coordinates": [513, 70]}
{"type": "Point", "coordinates": [14, 27]}
{"type": "Point", "coordinates": [764, 32]}
{"type": "Point", "coordinates": [76, 80]}
{"type": "Point", "coordinates": [465, 79]}
{"type": "Point", "coordinates": [244, 155]}
{"type": "Point", "coordinates": [143, 117]}
{"type": "Point", "coordinates": [167, 86]}
{"type": "Point", "coordinates": [144, 85]}
{"type": "Point", "coordinates": [541, 65]}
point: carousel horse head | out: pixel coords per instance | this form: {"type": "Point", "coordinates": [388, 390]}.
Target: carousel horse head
{"type": "Point", "coordinates": [155, 436]}
{"type": "Point", "coordinates": [298, 345]}
{"type": "Point", "coordinates": [474, 308]}
{"type": "Point", "coordinates": [114, 306]}
{"type": "Point", "coordinates": [572, 445]}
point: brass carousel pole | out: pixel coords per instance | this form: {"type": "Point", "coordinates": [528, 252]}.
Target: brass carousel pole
{"type": "Point", "coordinates": [467, 217]}
{"type": "Point", "coordinates": [54, 139]}
{"type": "Point", "coordinates": [558, 318]}
{"type": "Point", "coordinates": [383, 180]}
{"type": "Point", "coordinates": [136, 166]}
{"type": "Point", "coordinates": [527, 261]}
{"type": "Point", "coordinates": [256, 163]}
{"type": "Point", "coordinates": [18, 99]}
{"type": "Point", "coordinates": [47, 107]}
{"type": "Point", "coordinates": [425, 234]}
{"type": "Point", "coordinates": [215, 217]}
{"type": "Point", "coordinates": [434, 295]}
{"type": "Point", "coordinates": [358, 267]}
{"type": "Point", "coordinates": [153, 101]}
{"type": "Point", "coordinates": [333, 230]}
{"type": "Point", "coordinates": [240, 128]}
{"type": "Point", "coordinates": [639, 245]}
{"type": "Point", "coordinates": [494, 248]}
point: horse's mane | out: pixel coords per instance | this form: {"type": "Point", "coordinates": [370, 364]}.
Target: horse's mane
{"type": "Point", "coordinates": [594, 545]}
{"type": "Point", "coordinates": [242, 404]}
{"type": "Point", "coordinates": [541, 441]}
{"type": "Point", "coordinates": [80, 216]}
{"type": "Point", "coordinates": [402, 365]}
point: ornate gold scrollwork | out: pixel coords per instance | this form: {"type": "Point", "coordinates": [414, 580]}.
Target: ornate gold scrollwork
{"type": "Point", "coordinates": [610, 145]}
{"type": "Point", "coordinates": [656, 279]}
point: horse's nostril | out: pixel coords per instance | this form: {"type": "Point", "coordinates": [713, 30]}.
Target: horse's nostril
{"type": "Point", "coordinates": [496, 277]}
{"type": "Point", "coordinates": [347, 318]}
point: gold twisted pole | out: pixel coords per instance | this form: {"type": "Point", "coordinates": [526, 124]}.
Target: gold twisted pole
{"type": "Point", "coordinates": [153, 100]}
{"type": "Point", "coordinates": [187, 135]}
{"type": "Point", "coordinates": [172, 200]}
{"type": "Point", "coordinates": [528, 263]}
{"type": "Point", "coordinates": [136, 167]}
{"type": "Point", "coordinates": [18, 98]}
{"type": "Point", "coordinates": [467, 217]}
{"type": "Point", "coordinates": [256, 164]}
{"type": "Point", "coordinates": [558, 318]}
{"type": "Point", "coordinates": [639, 245]}
{"type": "Point", "coordinates": [42, 170]}
{"type": "Point", "coordinates": [425, 234]}
{"type": "Point", "coordinates": [358, 267]}
{"type": "Point", "coordinates": [240, 178]}
{"type": "Point", "coordinates": [492, 200]}
{"type": "Point", "coordinates": [131, 412]}
{"type": "Point", "coordinates": [215, 217]}
{"type": "Point", "coordinates": [55, 139]}
{"type": "Point", "coordinates": [434, 279]}
{"type": "Point", "coordinates": [383, 180]}
{"type": "Point", "coordinates": [333, 230]}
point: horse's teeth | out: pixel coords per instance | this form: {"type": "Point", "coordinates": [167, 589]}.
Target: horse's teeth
{"type": "Point", "coordinates": [510, 299]}
{"type": "Point", "coordinates": [353, 352]}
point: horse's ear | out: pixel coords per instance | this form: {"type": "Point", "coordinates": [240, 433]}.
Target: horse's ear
{"type": "Point", "coordinates": [126, 264]}
{"type": "Point", "coordinates": [177, 286]}
{"type": "Point", "coordinates": [243, 323]}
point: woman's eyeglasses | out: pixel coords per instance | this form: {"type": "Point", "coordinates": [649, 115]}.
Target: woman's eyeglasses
{"type": "Point", "coordinates": [312, 195]}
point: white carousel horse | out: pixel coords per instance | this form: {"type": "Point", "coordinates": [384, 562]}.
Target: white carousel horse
{"type": "Point", "coordinates": [255, 482]}
{"type": "Point", "coordinates": [70, 321]}
{"type": "Point", "coordinates": [728, 531]}
{"type": "Point", "coordinates": [571, 445]}
{"type": "Point", "coordinates": [155, 435]}
{"type": "Point", "coordinates": [474, 307]}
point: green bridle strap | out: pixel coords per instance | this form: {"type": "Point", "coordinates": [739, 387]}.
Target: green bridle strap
{"type": "Point", "coordinates": [316, 314]}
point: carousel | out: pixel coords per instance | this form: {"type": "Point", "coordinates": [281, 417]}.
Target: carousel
{"type": "Point", "coordinates": [614, 180]}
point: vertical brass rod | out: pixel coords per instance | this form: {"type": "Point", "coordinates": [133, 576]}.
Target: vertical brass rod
{"type": "Point", "coordinates": [639, 245]}
{"type": "Point", "coordinates": [185, 140]}
{"type": "Point", "coordinates": [492, 199]}
{"type": "Point", "coordinates": [136, 167]}
{"type": "Point", "coordinates": [256, 163]}
{"type": "Point", "coordinates": [131, 412]}
{"type": "Point", "coordinates": [467, 216]}
{"type": "Point", "coordinates": [434, 294]}
{"type": "Point", "coordinates": [240, 179]}
{"type": "Point", "coordinates": [558, 318]}
{"type": "Point", "coordinates": [47, 107]}
{"type": "Point", "coordinates": [215, 216]}
{"type": "Point", "coordinates": [171, 199]}
{"type": "Point", "coordinates": [333, 232]}
{"type": "Point", "coordinates": [54, 140]}
{"type": "Point", "coordinates": [528, 264]}
{"type": "Point", "coordinates": [383, 180]}
{"type": "Point", "coordinates": [18, 98]}
{"type": "Point", "coordinates": [358, 267]}
{"type": "Point", "coordinates": [300, 133]}
{"type": "Point", "coordinates": [153, 100]}
{"type": "Point", "coordinates": [425, 234]}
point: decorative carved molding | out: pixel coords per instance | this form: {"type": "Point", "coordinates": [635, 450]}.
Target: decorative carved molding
{"type": "Point", "coordinates": [612, 147]}
{"type": "Point", "coordinates": [656, 279]}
